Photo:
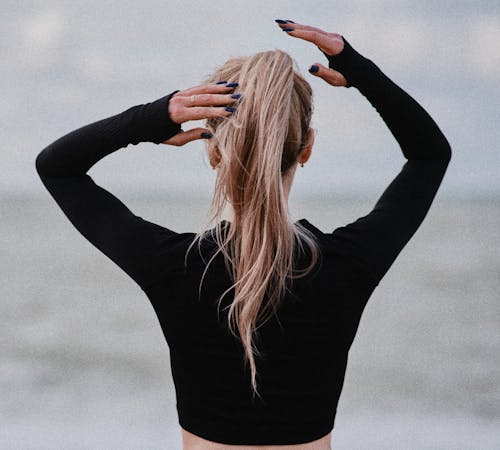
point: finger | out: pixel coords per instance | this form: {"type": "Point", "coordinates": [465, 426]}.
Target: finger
{"type": "Point", "coordinates": [210, 99]}
{"type": "Point", "coordinates": [329, 75]}
{"type": "Point", "coordinates": [322, 40]}
{"type": "Point", "coordinates": [206, 112]}
{"type": "Point", "coordinates": [186, 136]}
{"type": "Point", "coordinates": [181, 109]}
{"type": "Point", "coordinates": [209, 88]}
{"type": "Point", "coordinates": [300, 26]}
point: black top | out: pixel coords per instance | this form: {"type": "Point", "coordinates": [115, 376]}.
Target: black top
{"type": "Point", "coordinates": [305, 351]}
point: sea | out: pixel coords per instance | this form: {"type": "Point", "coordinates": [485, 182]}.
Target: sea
{"type": "Point", "coordinates": [84, 364]}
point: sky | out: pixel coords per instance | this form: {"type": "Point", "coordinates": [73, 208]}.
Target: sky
{"type": "Point", "coordinates": [69, 63]}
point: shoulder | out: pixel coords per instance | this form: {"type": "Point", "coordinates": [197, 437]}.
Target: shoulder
{"type": "Point", "coordinates": [340, 250]}
{"type": "Point", "coordinates": [326, 240]}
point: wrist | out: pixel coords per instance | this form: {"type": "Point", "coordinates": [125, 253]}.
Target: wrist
{"type": "Point", "coordinates": [350, 63]}
{"type": "Point", "coordinates": [160, 126]}
{"type": "Point", "coordinates": [151, 122]}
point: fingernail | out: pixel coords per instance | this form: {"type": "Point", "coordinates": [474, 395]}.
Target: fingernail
{"type": "Point", "coordinates": [221, 82]}
{"type": "Point", "coordinates": [287, 29]}
{"type": "Point", "coordinates": [290, 21]}
{"type": "Point", "coordinates": [236, 96]}
{"type": "Point", "coordinates": [206, 135]}
{"type": "Point", "coordinates": [313, 69]}
{"type": "Point", "coordinates": [230, 109]}
{"type": "Point", "coordinates": [234, 84]}
{"type": "Point", "coordinates": [280, 21]}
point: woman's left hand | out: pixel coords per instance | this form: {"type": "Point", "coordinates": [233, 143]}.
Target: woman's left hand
{"type": "Point", "coordinates": [200, 102]}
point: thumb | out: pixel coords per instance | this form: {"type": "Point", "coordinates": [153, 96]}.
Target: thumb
{"type": "Point", "coordinates": [329, 75]}
{"type": "Point", "coordinates": [183, 137]}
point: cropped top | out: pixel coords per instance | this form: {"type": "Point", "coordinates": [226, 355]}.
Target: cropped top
{"type": "Point", "coordinates": [305, 346]}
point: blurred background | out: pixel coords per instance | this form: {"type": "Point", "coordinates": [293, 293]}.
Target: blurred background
{"type": "Point", "coordinates": [83, 362]}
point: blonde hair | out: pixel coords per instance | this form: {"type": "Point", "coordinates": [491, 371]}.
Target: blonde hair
{"type": "Point", "coordinates": [258, 144]}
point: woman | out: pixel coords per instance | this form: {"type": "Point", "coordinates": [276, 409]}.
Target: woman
{"type": "Point", "coordinates": [268, 372]}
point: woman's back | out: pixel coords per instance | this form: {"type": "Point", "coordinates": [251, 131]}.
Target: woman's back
{"type": "Point", "coordinates": [304, 346]}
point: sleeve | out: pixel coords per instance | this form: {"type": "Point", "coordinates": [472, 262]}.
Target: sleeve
{"type": "Point", "coordinates": [376, 239]}
{"type": "Point", "coordinates": [128, 240]}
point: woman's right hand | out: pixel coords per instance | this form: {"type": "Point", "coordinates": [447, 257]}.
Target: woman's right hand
{"type": "Point", "coordinates": [329, 43]}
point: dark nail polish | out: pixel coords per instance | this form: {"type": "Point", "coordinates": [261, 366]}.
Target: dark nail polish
{"type": "Point", "coordinates": [313, 69]}
{"type": "Point", "coordinates": [230, 109]}
{"type": "Point", "coordinates": [205, 135]}
{"type": "Point", "coordinates": [288, 29]}
{"type": "Point", "coordinates": [234, 84]}
{"type": "Point", "coordinates": [221, 82]}
{"type": "Point", "coordinates": [290, 21]}
{"type": "Point", "coordinates": [280, 21]}
{"type": "Point", "coordinates": [236, 96]}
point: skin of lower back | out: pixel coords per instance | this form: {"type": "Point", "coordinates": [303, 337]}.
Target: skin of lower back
{"type": "Point", "coordinates": [193, 442]}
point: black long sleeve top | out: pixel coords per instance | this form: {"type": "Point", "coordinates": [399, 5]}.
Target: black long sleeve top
{"type": "Point", "coordinates": [305, 346]}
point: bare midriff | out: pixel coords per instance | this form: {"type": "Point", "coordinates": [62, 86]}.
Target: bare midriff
{"type": "Point", "coordinates": [193, 442]}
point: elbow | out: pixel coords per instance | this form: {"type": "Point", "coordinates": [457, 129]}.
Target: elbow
{"type": "Point", "coordinates": [447, 151]}
{"type": "Point", "coordinates": [44, 164]}
{"type": "Point", "coordinates": [40, 164]}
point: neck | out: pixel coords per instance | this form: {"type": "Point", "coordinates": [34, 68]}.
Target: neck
{"type": "Point", "coordinates": [287, 185]}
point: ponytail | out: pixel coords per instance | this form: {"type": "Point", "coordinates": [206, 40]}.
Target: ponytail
{"type": "Point", "coordinates": [257, 146]}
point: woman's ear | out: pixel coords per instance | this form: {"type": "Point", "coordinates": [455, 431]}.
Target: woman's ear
{"type": "Point", "coordinates": [306, 151]}
{"type": "Point", "coordinates": [214, 155]}
{"type": "Point", "coordinates": [310, 137]}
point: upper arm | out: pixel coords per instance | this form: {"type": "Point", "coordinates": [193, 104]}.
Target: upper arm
{"type": "Point", "coordinates": [376, 239]}
{"type": "Point", "coordinates": [128, 240]}
{"type": "Point", "coordinates": [132, 243]}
